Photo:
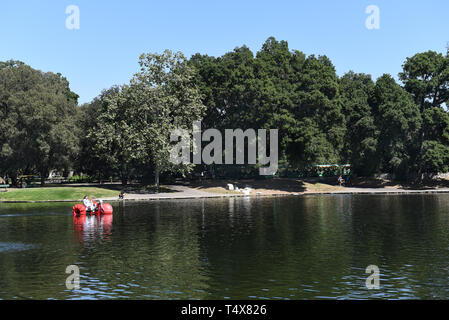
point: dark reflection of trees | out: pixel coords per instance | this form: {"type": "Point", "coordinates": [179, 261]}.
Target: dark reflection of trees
{"type": "Point", "coordinates": [38, 272]}
{"type": "Point", "coordinates": [151, 251]}
{"type": "Point", "coordinates": [402, 234]}
{"type": "Point", "coordinates": [313, 246]}
{"type": "Point", "coordinates": [157, 256]}
{"type": "Point", "coordinates": [282, 244]}
{"type": "Point", "coordinates": [289, 247]}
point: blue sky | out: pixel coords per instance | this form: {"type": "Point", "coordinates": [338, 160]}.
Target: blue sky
{"type": "Point", "coordinates": [112, 34]}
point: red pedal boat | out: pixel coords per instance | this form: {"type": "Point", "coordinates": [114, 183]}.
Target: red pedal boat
{"type": "Point", "coordinates": [100, 208]}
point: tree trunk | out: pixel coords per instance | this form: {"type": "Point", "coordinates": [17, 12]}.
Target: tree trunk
{"type": "Point", "coordinates": [421, 152]}
{"type": "Point", "coordinates": [156, 178]}
{"type": "Point", "coordinates": [124, 179]}
{"type": "Point", "coordinates": [44, 174]}
{"type": "Point", "coordinates": [14, 180]}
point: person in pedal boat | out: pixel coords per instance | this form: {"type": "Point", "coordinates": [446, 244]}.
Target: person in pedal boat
{"type": "Point", "coordinates": [88, 204]}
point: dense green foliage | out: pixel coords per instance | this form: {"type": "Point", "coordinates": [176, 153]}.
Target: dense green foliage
{"type": "Point", "coordinates": [426, 77]}
{"type": "Point", "coordinates": [323, 119]}
{"type": "Point", "coordinates": [361, 136]}
{"type": "Point", "coordinates": [37, 131]}
{"type": "Point", "coordinates": [137, 119]}
{"type": "Point", "coordinates": [377, 126]}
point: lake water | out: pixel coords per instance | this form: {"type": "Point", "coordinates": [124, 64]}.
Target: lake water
{"type": "Point", "coordinates": [303, 247]}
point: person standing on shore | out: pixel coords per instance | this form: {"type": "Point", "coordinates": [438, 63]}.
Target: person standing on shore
{"type": "Point", "coordinates": [340, 180]}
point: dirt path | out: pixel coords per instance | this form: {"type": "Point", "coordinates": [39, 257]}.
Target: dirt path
{"type": "Point", "coordinates": [180, 192]}
{"type": "Point", "coordinates": [192, 192]}
{"type": "Point", "coordinates": [184, 192]}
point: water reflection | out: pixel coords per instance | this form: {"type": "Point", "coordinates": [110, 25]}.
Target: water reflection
{"type": "Point", "coordinates": [14, 246]}
{"type": "Point", "coordinates": [92, 228]}
{"type": "Point", "coordinates": [313, 247]}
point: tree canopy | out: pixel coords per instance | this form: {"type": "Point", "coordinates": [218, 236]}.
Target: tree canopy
{"type": "Point", "coordinates": [136, 119]}
{"type": "Point", "coordinates": [376, 125]}
{"type": "Point", "coordinates": [37, 131]}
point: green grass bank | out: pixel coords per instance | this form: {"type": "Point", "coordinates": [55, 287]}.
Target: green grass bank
{"type": "Point", "coordinates": [56, 193]}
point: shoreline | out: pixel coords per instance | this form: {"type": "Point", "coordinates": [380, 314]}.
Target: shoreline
{"type": "Point", "coordinates": [190, 193]}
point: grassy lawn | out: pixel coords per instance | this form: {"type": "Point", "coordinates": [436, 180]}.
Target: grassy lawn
{"type": "Point", "coordinates": [56, 193]}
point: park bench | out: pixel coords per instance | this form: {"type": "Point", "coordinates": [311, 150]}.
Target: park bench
{"type": "Point", "coordinates": [4, 187]}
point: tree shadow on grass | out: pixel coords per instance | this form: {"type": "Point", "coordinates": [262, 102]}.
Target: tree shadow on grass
{"type": "Point", "coordinates": [278, 184]}
{"type": "Point", "coordinates": [130, 188]}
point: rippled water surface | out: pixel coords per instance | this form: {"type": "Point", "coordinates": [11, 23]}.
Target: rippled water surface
{"type": "Point", "coordinates": [313, 247]}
